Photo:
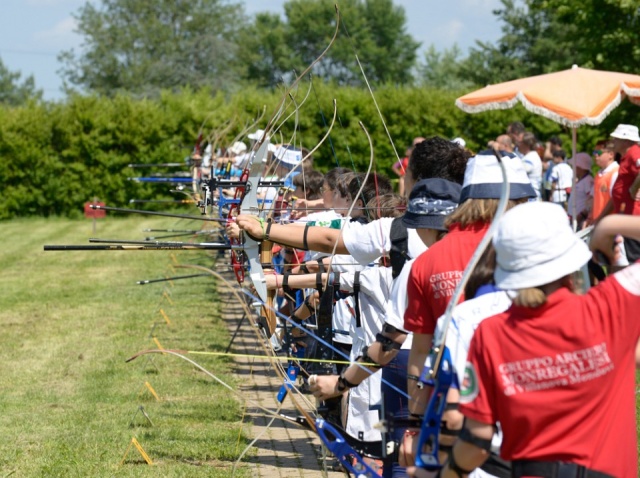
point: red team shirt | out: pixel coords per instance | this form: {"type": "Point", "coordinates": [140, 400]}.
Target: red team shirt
{"type": "Point", "coordinates": [435, 275]}
{"type": "Point", "coordinates": [566, 392]}
{"type": "Point", "coordinates": [629, 169]}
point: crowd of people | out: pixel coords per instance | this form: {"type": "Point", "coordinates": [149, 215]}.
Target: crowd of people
{"type": "Point", "coordinates": [544, 377]}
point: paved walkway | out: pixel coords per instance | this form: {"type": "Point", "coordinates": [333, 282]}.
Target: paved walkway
{"type": "Point", "coordinates": [285, 450]}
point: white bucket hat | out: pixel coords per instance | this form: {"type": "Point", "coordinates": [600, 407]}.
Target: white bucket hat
{"type": "Point", "coordinates": [626, 131]}
{"type": "Point", "coordinates": [535, 245]}
{"type": "Point", "coordinates": [288, 156]}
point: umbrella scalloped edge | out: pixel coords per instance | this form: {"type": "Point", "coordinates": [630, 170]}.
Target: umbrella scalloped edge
{"type": "Point", "coordinates": [632, 93]}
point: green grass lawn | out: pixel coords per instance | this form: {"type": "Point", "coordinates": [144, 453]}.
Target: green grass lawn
{"type": "Point", "coordinates": [70, 319]}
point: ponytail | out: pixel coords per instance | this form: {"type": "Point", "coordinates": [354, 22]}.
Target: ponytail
{"type": "Point", "coordinates": [531, 297]}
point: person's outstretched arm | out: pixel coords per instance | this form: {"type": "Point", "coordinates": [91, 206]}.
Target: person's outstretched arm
{"type": "Point", "coordinates": [321, 239]}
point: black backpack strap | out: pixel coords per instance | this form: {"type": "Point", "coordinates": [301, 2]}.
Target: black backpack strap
{"type": "Point", "coordinates": [399, 252]}
{"type": "Point", "coordinates": [356, 298]}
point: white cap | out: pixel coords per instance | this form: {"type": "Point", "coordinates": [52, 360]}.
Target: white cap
{"type": "Point", "coordinates": [257, 136]}
{"type": "Point", "coordinates": [626, 131]}
{"type": "Point", "coordinates": [459, 141]}
{"type": "Point", "coordinates": [237, 148]}
{"type": "Point", "coordinates": [535, 245]}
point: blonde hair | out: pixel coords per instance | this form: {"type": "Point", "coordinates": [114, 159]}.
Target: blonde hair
{"type": "Point", "coordinates": [533, 297]}
{"type": "Point", "coordinates": [477, 210]}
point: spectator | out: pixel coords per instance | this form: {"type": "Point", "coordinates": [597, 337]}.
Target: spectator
{"type": "Point", "coordinates": [502, 143]}
{"type": "Point", "coordinates": [400, 167]}
{"type": "Point", "coordinates": [625, 140]}
{"type": "Point", "coordinates": [531, 160]}
{"type": "Point", "coordinates": [581, 198]}
{"type": "Point", "coordinates": [560, 179]}
{"type": "Point", "coordinates": [515, 131]}
{"type": "Point", "coordinates": [605, 179]}
{"type": "Point", "coordinates": [554, 144]}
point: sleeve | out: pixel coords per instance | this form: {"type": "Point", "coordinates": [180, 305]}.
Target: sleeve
{"type": "Point", "coordinates": [346, 281]}
{"type": "Point", "coordinates": [418, 317]}
{"type": "Point", "coordinates": [375, 282]}
{"type": "Point", "coordinates": [476, 393]}
{"type": "Point", "coordinates": [367, 242]}
{"type": "Point", "coordinates": [618, 299]}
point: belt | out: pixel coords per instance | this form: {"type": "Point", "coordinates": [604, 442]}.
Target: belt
{"type": "Point", "coordinates": [554, 469]}
{"type": "Point", "coordinates": [497, 467]}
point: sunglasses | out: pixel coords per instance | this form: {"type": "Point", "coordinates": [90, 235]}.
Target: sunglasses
{"type": "Point", "coordinates": [597, 152]}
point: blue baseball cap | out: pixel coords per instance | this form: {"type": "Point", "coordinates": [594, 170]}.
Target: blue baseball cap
{"type": "Point", "coordinates": [430, 202]}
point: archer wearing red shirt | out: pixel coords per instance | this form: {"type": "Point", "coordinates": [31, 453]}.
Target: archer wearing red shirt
{"type": "Point", "coordinates": [625, 140]}
{"type": "Point", "coordinates": [556, 370]}
{"type": "Point", "coordinates": [437, 271]}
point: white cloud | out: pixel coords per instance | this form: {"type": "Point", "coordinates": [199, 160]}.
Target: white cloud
{"type": "Point", "coordinates": [60, 36]}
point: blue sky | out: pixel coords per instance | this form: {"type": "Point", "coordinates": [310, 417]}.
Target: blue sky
{"type": "Point", "coordinates": [33, 32]}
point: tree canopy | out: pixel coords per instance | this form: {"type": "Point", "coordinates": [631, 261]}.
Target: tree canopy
{"type": "Point", "coordinates": [143, 47]}
{"type": "Point", "coordinates": [375, 30]}
{"type": "Point", "coordinates": [542, 36]}
{"type": "Point", "coordinates": [14, 92]}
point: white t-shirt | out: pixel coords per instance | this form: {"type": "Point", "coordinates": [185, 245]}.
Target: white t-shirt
{"type": "Point", "coordinates": [364, 400]}
{"type": "Point", "coordinates": [368, 242]}
{"type": "Point", "coordinates": [399, 301]}
{"type": "Point", "coordinates": [319, 217]}
{"type": "Point", "coordinates": [562, 176]}
{"type": "Point", "coordinates": [533, 166]}
{"type": "Point", "coordinates": [375, 290]}
{"type": "Point", "coordinates": [466, 317]}
{"type": "Point", "coordinates": [464, 322]}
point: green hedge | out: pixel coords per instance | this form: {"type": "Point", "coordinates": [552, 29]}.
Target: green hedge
{"type": "Point", "coordinates": [56, 156]}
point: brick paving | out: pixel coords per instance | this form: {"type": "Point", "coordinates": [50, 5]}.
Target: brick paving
{"type": "Point", "coordinates": [285, 450]}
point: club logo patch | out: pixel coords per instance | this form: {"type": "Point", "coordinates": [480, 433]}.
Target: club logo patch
{"type": "Point", "coordinates": [469, 389]}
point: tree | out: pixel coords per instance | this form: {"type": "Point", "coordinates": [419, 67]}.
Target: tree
{"type": "Point", "coordinates": [14, 93]}
{"type": "Point", "coordinates": [375, 29]}
{"type": "Point", "coordinates": [265, 53]}
{"type": "Point", "coordinates": [541, 36]}
{"type": "Point", "coordinates": [443, 70]}
{"type": "Point", "coordinates": [144, 46]}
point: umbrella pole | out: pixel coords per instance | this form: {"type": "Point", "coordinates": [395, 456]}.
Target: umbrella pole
{"type": "Point", "coordinates": [574, 219]}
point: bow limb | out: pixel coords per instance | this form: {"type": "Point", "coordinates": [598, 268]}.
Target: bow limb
{"type": "Point", "coordinates": [441, 371]}
{"type": "Point", "coordinates": [269, 352]}
{"type": "Point", "coordinates": [215, 136]}
{"type": "Point", "coordinates": [364, 181]}
{"type": "Point", "coordinates": [337, 445]}
{"type": "Point", "coordinates": [249, 127]}
{"type": "Point", "coordinates": [297, 108]}
{"type": "Point", "coordinates": [270, 124]}
{"type": "Point", "coordinates": [243, 397]}
{"type": "Point", "coordinates": [249, 205]}
{"type": "Point", "coordinates": [373, 97]}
